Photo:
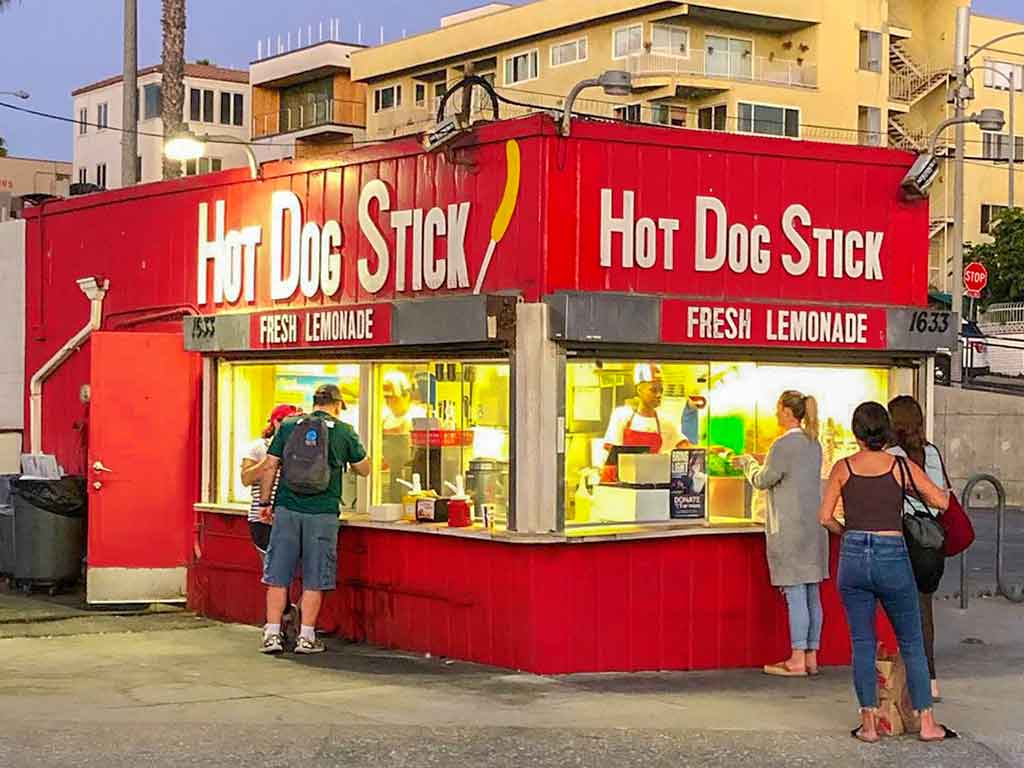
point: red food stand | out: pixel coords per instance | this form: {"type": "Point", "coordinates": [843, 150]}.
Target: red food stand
{"type": "Point", "coordinates": [511, 283]}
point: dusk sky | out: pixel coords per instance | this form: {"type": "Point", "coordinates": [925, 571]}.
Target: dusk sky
{"type": "Point", "coordinates": [51, 47]}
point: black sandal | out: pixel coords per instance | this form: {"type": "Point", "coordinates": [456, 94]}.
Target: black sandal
{"type": "Point", "coordinates": [947, 733]}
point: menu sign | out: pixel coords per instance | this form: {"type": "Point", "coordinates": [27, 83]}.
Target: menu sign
{"type": "Point", "coordinates": [321, 327]}
{"type": "Point", "coordinates": [688, 499]}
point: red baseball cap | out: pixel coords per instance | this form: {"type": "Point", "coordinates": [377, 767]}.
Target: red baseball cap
{"type": "Point", "coordinates": [282, 412]}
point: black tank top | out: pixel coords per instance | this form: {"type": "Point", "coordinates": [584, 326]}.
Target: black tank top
{"type": "Point", "coordinates": [873, 503]}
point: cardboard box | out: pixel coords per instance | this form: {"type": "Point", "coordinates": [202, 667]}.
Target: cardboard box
{"type": "Point", "coordinates": [617, 504]}
{"type": "Point", "coordinates": [645, 468]}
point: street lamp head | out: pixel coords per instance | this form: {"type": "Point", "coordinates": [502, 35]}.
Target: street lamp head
{"type": "Point", "coordinates": [989, 119]}
{"type": "Point", "coordinates": [616, 82]}
{"type": "Point", "coordinates": [21, 94]}
{"type": "Point", "coordinates": [184, 146]}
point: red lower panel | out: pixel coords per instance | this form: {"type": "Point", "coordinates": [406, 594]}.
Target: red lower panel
{"type": "Point", "coordinates": [699, 602]}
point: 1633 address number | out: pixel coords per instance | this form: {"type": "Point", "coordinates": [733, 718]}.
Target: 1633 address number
{"type": "Point", "coordinates": [929, 322]}
{"type": "Point", "coordinates": [204, 328]}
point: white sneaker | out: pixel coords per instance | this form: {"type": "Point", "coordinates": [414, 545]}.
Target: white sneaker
{"type": "Point", "coordinates": [272, 644]}
{"type": "Point", "coordinates": [308, 647]}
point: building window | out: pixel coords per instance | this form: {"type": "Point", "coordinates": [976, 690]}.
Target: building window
{"type": "Point", "coordinates": [83, 175]}
{"type": "Point", "coordinates": [421, 94]}
{"type": "Point", "coordinates": [990, 216]}
{"type": "Point", "coordinates": [729, 56]}
{"type": "Point", "coordinates": [670, 40]}
{"type": "Point", "coordinates": [569, 53]}
{"type": "Point", "coordinates": [712, 118]}
{"type": "Point", "coordinates": [83, 121]}
{"type": "Point", "coordinates": [1001, 81]}
{"type": "Point", "coordinates": [101, 116]}
{"type": "Point", "coordinates": [152, 101]}
{"type": "Point", "coordinates": [440, 89]}
{"type": "Point", "coordinates": [138, 167]}
{"type": "Point", "coordinates": [870, 51]}
{"type": "Point", "coordinates": [996, 146]}
{"type": "Point", "coordinates": [231, 109]}
{"type": "Point", "coordinates": [200, 105]}
{"type": "Point", "coordinates": [627, 41]}
{"type": "Point", "coordinates": [869, 126]}
{"type": "Point", "coordinates": [101, 175]}
{"type": "Point", "coordinates": [769, 120]}
{"type": "Point", "coordinates": [522, 67]}
{"type": "Point", "coordinates": [203, 165]}
{"type": "Point", "coordinates": [631, 113]}
{"type": "Point", "coordinates": [387, 98]}
{"type": "Point", "coordinates": [668, 114]}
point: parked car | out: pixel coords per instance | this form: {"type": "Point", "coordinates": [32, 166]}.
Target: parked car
{"type": "Point", "coordinates": [975, 354]}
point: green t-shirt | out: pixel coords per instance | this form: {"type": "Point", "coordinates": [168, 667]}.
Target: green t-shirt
{"type": "Point", "coordinates": [344, 449]}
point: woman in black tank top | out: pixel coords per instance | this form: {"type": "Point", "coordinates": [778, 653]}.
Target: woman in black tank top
{"type": "Point", "coordinates": [874, 565]}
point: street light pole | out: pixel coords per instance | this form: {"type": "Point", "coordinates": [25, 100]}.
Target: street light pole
{"type": "Point", "coordinates": [130, 95]}
{"type": "Point", "coordinates": [960, 51]}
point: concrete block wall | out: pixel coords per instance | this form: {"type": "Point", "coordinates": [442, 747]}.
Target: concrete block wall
{"type": "Point", "coordinates": [982, 432]}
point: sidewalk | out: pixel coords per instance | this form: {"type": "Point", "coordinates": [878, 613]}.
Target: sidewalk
{"type": "Point", "coordinates": [205, 697]}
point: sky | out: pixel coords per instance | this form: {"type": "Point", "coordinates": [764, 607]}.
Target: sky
{"type": "Point", "coordinates": [51, 47]}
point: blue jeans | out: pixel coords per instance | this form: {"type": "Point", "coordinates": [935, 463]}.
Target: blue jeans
{"type": "Point", "coordinates": [877, 568]}
{"type": "Point", "coordinates": [805, 616]}
{"type": "Point", "coordinates": [311, 539]}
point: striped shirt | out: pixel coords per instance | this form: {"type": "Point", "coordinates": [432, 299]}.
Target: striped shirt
{"type": "Point", "coordinates": [257, 452]}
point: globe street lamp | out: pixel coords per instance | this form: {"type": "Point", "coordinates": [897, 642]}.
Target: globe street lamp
{"type": "Point", "coordinates": [185, 145]}
{"type": "Point", "coordinates": [614, 82]}
{"type": "Point", "coordinates": [15, 94]}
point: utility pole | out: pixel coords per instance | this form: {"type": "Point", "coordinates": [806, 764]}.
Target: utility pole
{"type": "Point", "coordinates": [130, 97]}
{"type": "Point", "coordinates": [960, 53]}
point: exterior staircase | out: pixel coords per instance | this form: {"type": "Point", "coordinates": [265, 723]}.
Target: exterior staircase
{"type": "Point", "coordinates": [909, 81]}
{"type": "Point", "coordinates": [937, 225]}
{"type": "Point", "coordinates": [901, 137]}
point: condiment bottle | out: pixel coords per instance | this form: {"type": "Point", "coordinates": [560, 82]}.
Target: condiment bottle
{"type": "Point", "coordinates": [409, 499]}
{"type": "Point", "coordinates": [459, 515]}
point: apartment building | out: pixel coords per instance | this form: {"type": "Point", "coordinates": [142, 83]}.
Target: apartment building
{"type": "Point", "coordinates": [29, 176]}
{"type": "Point", "coordinates": [217, 103]}
{"type": "Point", "coordinates": [305, 104]}
{"type": "Point", "coordinates": [873, 72]}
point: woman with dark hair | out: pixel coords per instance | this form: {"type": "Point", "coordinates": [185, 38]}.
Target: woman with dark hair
{"type": "Point", "coordinates": [797, 546]}
{"type": "Point", "coordinates": [909, 441]}
{"type": "Point", "coordinates": [874, 565]}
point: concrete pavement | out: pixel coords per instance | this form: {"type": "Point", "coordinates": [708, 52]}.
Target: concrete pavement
{"type": "Point", "coordinates": [171, 695]}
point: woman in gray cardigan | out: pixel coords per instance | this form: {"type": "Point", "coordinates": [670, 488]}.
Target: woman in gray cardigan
{"type": "Point", "coordinates": [797, 544]}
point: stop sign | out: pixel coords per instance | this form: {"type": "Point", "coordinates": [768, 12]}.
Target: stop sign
{"type": "Point", "coordinates": [975, 278]}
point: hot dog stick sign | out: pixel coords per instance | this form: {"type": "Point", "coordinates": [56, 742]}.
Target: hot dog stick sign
{"type": "Point", "coordinates": [417, 261]}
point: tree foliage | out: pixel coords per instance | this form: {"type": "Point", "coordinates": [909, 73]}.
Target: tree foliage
{"type": "Point", "coordinates": [1004, 258]}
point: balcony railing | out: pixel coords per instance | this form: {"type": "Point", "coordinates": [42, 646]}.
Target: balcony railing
{"type": "Point", "coordinates": [728, 66]}
{"type": "Point", "coordinates": [313, 114]}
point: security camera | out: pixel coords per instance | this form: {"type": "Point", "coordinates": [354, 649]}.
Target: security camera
{"type": "Point", "coordinates": [920, 177]}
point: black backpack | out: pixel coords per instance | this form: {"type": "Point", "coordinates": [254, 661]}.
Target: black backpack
{"type": "Point", "coordinates": [305, 465]}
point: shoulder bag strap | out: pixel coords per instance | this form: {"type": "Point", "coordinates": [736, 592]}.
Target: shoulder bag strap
{"type": "Point", "coordinates": [942, 463]}
{"type": "Point", "coordinates": [907, 474]}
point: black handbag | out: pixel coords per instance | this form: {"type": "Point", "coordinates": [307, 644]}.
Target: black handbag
{"type": "Point", "coordinates": [924, 536]}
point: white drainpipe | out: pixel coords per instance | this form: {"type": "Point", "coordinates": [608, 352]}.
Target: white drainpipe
{"type": "Point", "coordinates": [94, 292]}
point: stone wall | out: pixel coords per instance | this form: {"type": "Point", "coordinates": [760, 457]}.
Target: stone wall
{"type": "Point", "coordinates": [982, 432]}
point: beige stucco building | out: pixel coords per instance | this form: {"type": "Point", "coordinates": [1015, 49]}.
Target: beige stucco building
{"type": "Point", "coordinates": [870, 71]}
{"type": "Point", "coordinates": [31, 176]}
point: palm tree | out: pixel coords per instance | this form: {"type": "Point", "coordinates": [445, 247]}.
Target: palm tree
{"type": "Point", "coordinates": [173, 86]}
{"type": "Point", "coordinates": [3, 144]}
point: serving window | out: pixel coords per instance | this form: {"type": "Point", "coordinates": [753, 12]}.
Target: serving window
{"type": "Point", "coordinates": [438, 419]}
{"type": "Point", "coordinates": [706, 414]}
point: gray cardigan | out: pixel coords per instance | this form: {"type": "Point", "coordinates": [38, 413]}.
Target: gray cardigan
{"type": "Point", "coordinates": [797, 543]}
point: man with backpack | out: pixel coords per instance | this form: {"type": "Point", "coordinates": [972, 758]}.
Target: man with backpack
{"type": "Point", "coordinates": [312, 451]}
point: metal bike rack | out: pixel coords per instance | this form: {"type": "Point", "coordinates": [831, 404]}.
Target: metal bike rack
{"type": "Point", "coordinates": [1014, 594]}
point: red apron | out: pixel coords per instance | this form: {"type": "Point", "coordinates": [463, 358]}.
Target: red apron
{"type": "Point", "coordinates": [650, 440]}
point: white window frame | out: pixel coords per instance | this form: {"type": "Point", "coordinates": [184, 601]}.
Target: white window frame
{"type": "Point", "coordinates": [626, 28]}
{"type": "Point", "coordinates": [625, 107]}
{"type": "Point", "coordinates": [396, 99]}
{"type": "Point", "coordinates": [676, 28]}
{"type": "Point", "coordinates": [730, 38]}
{"type": "Point", "coordinates": [1000, 143]}
{"type": "Point", "coordinates": [585, 40]}
{"type": "Point", "coordinates": [881, 52]}
{"type": "Point", "coordinates": [534, 52]}
{"type": "Point", "coordinates": [101, 170]}
{"type": "Point", "coordinates": [784, 107]}
{"type": "Point", "coordinates": [712, 108]}
{"type": "Point", "coordinates": [83, 175]}
{"type": "Point", "coordinates": [83, 121]}
{"type": "Point", "coordinates": [869, 137]}
{"type": "Point", "coordinates": [417, 99]}
{"type": "Point", "coordinates": [142, 105]}
{"type": "Point", "coordinates": [995, 210]}
{"type": "Point", "coordinates": [102, 116]}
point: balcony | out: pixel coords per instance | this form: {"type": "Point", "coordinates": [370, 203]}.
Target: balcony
{"type": "Point", "coordinates": [320, 113]}
{"type": "Point", "coordinates": [724, 66]}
